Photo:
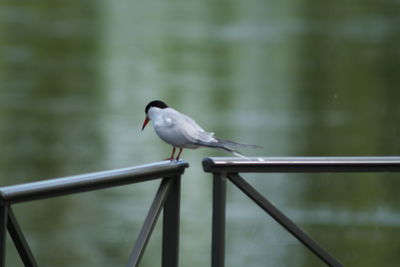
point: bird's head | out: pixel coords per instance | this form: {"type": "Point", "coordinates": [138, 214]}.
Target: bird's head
{"type": "Point", "coordinates": [153, 104]}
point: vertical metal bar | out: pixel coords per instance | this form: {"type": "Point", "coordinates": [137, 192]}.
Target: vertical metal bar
{"type": "Point", "coordinates": [218, 221]}
{"type": "Point", "coordinates": [3, 232]}
{"type": "Point", "coordinates": [170, 243]}
{"type": "Point", "coordinates": [283, 220]}
{"type": "Point", "coordinates": [19, 240]}
{"type": "Point", "coordinates": [149, 223]}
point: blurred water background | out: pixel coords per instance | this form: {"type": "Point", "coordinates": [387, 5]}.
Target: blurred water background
{"type": "Point", "coordinates": [301, 78]}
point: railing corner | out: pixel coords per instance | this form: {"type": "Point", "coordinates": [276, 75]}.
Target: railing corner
{"type": "Point", "coordinates": [3, 200]}
{"type": "Point", "coordinates": [207, 163]}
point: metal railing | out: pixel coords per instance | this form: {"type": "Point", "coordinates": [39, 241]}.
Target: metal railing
{"type": "Point", "coordinates": [166, 198]}
{"type": "Point", "coordinates": [229, 168]}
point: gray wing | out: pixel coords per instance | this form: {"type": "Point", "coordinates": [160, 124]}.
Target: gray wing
{"type": "Point", "coordinates": [191, 130]}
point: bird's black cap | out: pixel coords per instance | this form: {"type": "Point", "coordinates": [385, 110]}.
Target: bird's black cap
{"type": "Point", "coordinates": [155, 103]}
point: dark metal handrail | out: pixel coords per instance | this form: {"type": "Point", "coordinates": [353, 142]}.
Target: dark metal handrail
{"type": "Point", "coordinates": [166, 198]}
{"type": "Point", "coordinates": [302, 164]}
{"type": "Point", "coordinates": [229, 168]}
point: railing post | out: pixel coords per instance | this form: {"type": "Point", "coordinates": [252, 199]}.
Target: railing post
{"type": "Point", "coordinates": [218, 221]}
{"type": "Point", "coordinates": [3, 232]}
{"type": "Point", "coordinates": [170, 243]}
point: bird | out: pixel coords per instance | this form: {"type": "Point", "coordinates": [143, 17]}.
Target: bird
{"type": "Point", "coordinates": [181, 131]}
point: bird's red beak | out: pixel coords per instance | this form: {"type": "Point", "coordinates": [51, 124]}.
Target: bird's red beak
{"type": "Point", "coordinates": [146, 120]}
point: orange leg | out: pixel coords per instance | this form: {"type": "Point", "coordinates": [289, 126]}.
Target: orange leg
{"type": "Point", "coordinates": [172, 155]}
{"type": "Point", "coordinates": [179, 154]}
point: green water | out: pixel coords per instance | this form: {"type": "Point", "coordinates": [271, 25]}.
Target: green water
{"type": "Point", "coordinates": [301, 78]}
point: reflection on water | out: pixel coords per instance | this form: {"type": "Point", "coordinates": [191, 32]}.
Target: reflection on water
{"type": "Point", "coordinates": [49, 89]}
{"type": "Point", "coordinates": [299, 78]}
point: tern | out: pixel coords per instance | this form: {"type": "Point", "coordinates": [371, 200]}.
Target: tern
{"type": "Point", "coordinates": [181, 131]}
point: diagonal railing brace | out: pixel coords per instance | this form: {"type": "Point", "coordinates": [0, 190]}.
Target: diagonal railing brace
{"type": "Point", "coordinates": [283, 220]}
{"type": "Point", "coordinates": [19, 240]}
{"type": "Point", "coordinates": [149, 222]}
